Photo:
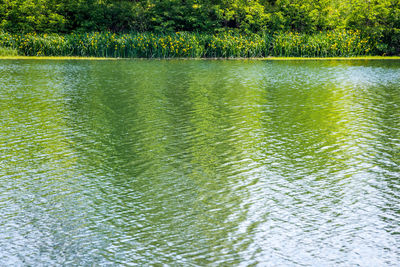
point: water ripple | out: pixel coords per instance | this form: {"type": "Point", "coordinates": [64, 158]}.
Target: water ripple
{"type": "Point", "coordinates": [196, 163]}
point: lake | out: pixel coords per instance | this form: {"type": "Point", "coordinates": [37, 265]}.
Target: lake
{"type": "Point", "coordinates": [199, 163]}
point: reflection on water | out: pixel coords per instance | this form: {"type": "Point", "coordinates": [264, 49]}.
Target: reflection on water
{"type": "Point", "coordinates": [199, 162]}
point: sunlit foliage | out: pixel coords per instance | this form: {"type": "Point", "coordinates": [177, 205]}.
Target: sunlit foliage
{"type": "Point", "coordinates": [379, 20]}
{"type": "Point", "coordinates": [190, 45]}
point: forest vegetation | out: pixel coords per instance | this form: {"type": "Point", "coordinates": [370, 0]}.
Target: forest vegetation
{"type": "Point", "coordinates": [201, 28]}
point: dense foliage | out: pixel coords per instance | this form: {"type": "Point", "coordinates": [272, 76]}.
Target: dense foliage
{"type": "Point", "coordinates": [192, 45]}
{"type": "Point", "coordinates": [377, 19]}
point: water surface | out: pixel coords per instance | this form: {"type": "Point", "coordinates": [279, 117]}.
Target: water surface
{"type": "Point", "coordinates": [199, 163]}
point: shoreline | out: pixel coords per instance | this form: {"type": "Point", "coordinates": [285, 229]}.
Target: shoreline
{"type": "Point", "coordinates": [188, 58]}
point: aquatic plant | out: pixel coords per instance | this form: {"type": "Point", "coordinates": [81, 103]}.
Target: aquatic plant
{"type": "Point", "coordinates": [227, 44]}
{"type": "Point", "coordinates": [7, 51]}
{"type": "Point", "coordinates": [323, 44]}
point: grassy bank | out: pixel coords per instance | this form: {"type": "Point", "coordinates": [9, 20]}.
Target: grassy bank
{"type": "Point", "coordinates": [190, 45]}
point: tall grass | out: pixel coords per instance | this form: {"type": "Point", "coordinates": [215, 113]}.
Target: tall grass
{"type": "Point", "coordinates": [7, 51]}
{"type": "Point", "coordinates": [327, 44]}
{"type": "Point", "coordinates": [189, 45]}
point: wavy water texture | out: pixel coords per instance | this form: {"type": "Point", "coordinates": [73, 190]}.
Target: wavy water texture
{"type": "Point", "coordinates": [199, 163]}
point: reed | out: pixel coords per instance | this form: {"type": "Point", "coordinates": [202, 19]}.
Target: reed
{"type": "Point", "coordinates": [189, 45]}
{"type": "Point", "coordinates": [323, 44]}
{"type": "Point", "coordinates": [7, 51]}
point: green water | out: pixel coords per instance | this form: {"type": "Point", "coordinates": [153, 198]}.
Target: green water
{"type": "Point", "coordinates": [199, 163]}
